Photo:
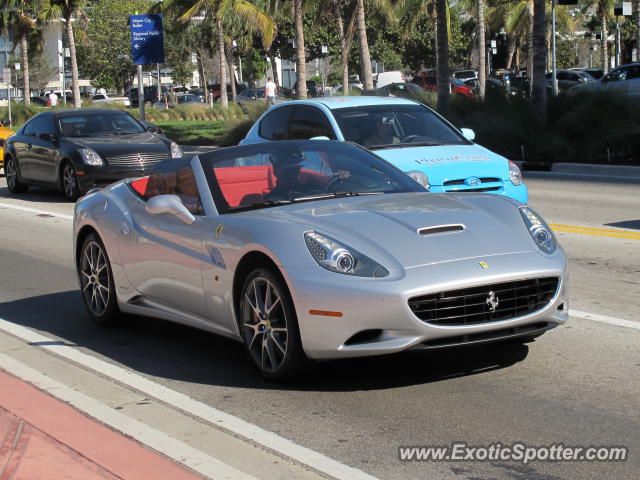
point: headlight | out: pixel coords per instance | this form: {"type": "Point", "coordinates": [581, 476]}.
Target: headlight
{"type": "Point", "coordinates": [420, 177]}
{"type": "Point", "coordinates": [334, 256]}
{"type": "Point", "coordinates": [176, 151]}
{"type": "Point", "coordinates": [539, 230]}
{"type": "Point", "coordinates": [514, 173]}
{"type": "Point", "coordinates": [90, 156]}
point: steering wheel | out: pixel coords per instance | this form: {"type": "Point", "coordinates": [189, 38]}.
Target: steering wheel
{"type": "Point", "coordinates": [329, 187]}
{"type": "Point", "coordinates": [409, 138]}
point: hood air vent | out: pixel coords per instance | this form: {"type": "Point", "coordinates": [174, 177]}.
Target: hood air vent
{"type": "Point", "coordinates": [441, 229]}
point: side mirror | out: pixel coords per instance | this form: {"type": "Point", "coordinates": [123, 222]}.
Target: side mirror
{"type": "Point", "coordinates": [47, 137]}
{"type": "Point", "coordinates": [171, 204]}
{"type": "Point", "coordinates": [252, 97]}
{"type": "Point", "coordinates": [468, 134]}
{"type": "Point", "coordinates": [152, 128]}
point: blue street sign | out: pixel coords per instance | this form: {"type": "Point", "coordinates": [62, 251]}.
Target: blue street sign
{"type": "Point", "coordinates": [147, 39]}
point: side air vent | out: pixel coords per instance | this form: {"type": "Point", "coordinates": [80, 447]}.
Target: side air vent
{"type": "Point", "coordinates": [441, 229]}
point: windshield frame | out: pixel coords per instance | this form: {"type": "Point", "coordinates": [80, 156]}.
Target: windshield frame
{"type": "Point", "coordinates": [210, 159]}
{"type": "Point", "coordinates": [380, 108]}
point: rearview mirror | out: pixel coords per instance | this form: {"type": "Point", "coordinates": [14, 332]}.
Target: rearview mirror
{"type": "Point", "coordinates": [468, 134]}
{"type": "Point", "coordinates": [171, 204]}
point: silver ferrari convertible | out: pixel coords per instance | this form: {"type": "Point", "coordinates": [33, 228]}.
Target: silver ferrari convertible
{"type": "Point", "coordinates": [316, 250]}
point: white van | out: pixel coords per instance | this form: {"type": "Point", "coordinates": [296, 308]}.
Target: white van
{"type": "Point", "coordinates": [385, 78]}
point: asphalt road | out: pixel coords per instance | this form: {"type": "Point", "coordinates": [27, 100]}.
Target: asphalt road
{"type": "Point", "coordinates": [578, 385]}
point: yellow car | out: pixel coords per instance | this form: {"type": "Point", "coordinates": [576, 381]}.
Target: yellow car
{"type": "Point", "coordinates": [4, 134]}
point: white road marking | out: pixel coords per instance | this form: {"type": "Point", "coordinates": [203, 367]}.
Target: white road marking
{"type": "Point", "coordinates": [161, 442]}
{"type": "Point", "coordinates": [270, 440]}
{"type": "Point", "coordinates": [604, 319]}
{"type": "Point", "coordinates": [35, 210]}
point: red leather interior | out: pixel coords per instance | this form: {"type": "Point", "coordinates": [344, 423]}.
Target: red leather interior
{"type": "Point", "coordinates": [237, 183]}
{"type": "Point", "coordinates": [140, 185]}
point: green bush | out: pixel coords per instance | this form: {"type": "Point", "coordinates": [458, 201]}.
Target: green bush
{"type": "Point", "coordinates": [20, 113]}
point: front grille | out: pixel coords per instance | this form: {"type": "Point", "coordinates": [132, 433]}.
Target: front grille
{"type": "Point", "coordinates": [461, 181]}
{"type": "Point", "coordinates": [471, 306]}
{"type": "Point", "coordinates": [137, 160]}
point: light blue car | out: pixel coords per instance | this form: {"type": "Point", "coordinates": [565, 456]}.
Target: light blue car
{"type": "Point", "coordinates": [406, 133]}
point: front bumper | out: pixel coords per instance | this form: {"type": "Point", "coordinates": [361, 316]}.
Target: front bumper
{"type": "Point", "coordinates": [506, 188]}
{"type": "Point", "coordinates": [381, 304]}
{"type": "Point", "coordinates": [92, 177]}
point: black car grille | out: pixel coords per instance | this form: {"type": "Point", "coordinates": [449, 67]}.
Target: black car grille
{"type": "Point", "coordinates": [471, 306]}
{"type": "Point", "coordinates": [459, 185]}
{"type": "Point", "coordinates": [137, 160]}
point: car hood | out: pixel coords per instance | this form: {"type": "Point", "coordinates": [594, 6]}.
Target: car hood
{"type": "Point", "coordinates": [120, 144]}
{"type": "Point", "coordinates": [448, 162]}
{"type": "Point", "coordinates": [384, 226]}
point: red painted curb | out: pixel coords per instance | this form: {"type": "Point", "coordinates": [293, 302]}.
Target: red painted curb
{"type": "Point", "coordinates": [43, 438]}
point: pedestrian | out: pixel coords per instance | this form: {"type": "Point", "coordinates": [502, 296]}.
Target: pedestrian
{"type": "Point", "coordinates": [53, 99]}
{"type": "Point", "coordinates": [172, 101]}
{"type": "Point", "coordinates": [270, 91]}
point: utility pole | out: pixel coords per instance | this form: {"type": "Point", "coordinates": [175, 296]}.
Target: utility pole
{"type": "Point", "coordinates": [140, 93]}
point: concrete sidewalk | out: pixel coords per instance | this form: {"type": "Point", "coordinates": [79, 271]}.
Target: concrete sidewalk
{"type": "Point", "coordinates": [43, 438]}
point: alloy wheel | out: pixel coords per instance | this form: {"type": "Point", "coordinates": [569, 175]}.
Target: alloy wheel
{"type": "Point", "coordinates": [69, 181]}
{"type": "Point", "coordinates": [264, 324]}
{"type": "Point", "coordinates": [94, 278]}
{"type": "Point", "coordinates": [11, 174]}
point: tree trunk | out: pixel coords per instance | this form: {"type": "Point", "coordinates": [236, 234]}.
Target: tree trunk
{"type": "Point", "coordinates": [482, 52]}
{"type": "Point", "coordinates": [232, 72]}
{"type": "Point", "coordinates": [637, 30]}
{"type": "Point", "coordinates": [348, 41]}
{"type": "Point", "coordinates": [530, 47]}
{"type": "Point", "coordinates": [224, 99]}
{"type": "Point", "coordinates": [517, 55]}
{"type": "Point", "coordinates": [343, 47]}
{"type": "Point", "coordinates": [301, 60]}
{"type": "Point", "coordinates": [511, 49]}
{"type": "Point", "coordinates": [77, 102]}
{"type": "Point", "coordinates": [203, 79]}
{"type": "Point", "coordinates": [539, 89]}
{"type": "Point", "coordinates": [24, 50]}
{"type": "Point", "coordinates": [603, 42]}
{"type": "Point", "coordinates": [442, 60]}
{"type": "Point", "coordinates": [365, 56]}
{"type": "Point", "coordinates": [274, 67]}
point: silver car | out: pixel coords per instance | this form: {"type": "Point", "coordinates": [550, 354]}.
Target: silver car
{"type": "Point", "coordinates": [316, 249]}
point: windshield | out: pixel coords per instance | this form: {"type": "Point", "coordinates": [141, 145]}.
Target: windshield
{"type": "Point", "coordinates": [271, 174]}
{"type": "Point", "coordinates": [384, 126]}
{"type": "Point", "coordinates": [98, 124]}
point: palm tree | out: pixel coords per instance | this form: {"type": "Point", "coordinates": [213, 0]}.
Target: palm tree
{"type": "Point", "coordinates": [538, 80]}
{"type": "Point", "coordinates": [16, 16]}
{"type": "Point", "coordinates": [66, 10]}
{"type": "Point", "coordinates": [301, 61]}
{"type": "Point", "coordinates": [387, 7]}
{"type": "Point", "coordinates": [442, 54]}
{"type": "Point", "coordinates": [215, 11]}
{"type": "Point", "coordinates": [482, 52]}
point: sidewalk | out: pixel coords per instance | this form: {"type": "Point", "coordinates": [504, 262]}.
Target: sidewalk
{"type": "Point", "coordinates": [43, 438]}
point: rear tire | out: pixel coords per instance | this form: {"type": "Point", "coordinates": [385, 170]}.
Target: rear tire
{"type": "Point", "coordinates": [13, 181]}
{"type": "Point", "coordinates": [269, 327]}
{"type": "Point", "coordinates": [96, 282]}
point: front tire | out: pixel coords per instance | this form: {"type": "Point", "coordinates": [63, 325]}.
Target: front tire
{"type": "Point", "coordinates": [69, 181]}
{"type": "Point", "coordinates": [269, 326]}
{"type": "Point", "coordinates": [96, 282]}
{"type": "Point", "coordinates": [11, 172]}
